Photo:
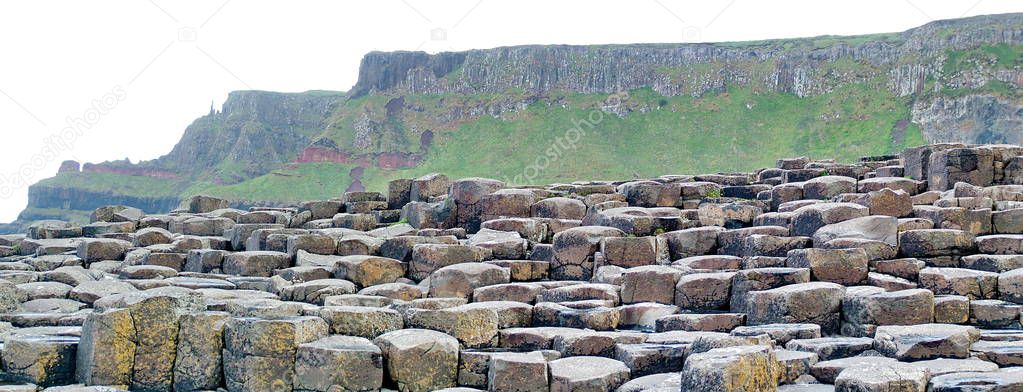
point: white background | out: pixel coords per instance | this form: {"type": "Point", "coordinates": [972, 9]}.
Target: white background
{"type": "Point", "coordinates": [173, 59]}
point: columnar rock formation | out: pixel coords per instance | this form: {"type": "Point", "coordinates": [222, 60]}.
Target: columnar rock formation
{"type": "Point", "coordinates": [895, 273]}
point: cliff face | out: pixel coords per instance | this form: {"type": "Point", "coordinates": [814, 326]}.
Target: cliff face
{"type": "Point", "coordinates": [253, 133]}
{"type": "Point", "coordinates": [914, 63]}
{"type": "Point", "coordinates": [47, 197]}
{"type": "Point", "coordinates": [798, 66]}
{"type": "Point", "coordinates": [491, 112]}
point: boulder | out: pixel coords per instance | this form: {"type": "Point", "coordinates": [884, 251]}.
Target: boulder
{"type": "Point", "coordinates": [106, 354]}
{"type": "Point", "coordinates": [502, 244]}
{"type": "Point", "coordinates": [827, 187]}
{"type": "Point", "coordinates": [429, 186]}
{"type": "Point", "coordinates": [902, 307]}
{"type": "Point", "coordinates": [832, 347]}
{"type": "Point", "coordinates": [1005, 380]}
{"type": "Point", "coordinates": [690, 242]}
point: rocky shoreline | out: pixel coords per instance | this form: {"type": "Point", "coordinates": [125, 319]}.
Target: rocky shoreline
{"type": "Point", "coordinates": [893, 273]}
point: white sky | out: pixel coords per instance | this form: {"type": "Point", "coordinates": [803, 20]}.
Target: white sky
{"type": "Point", "coordinates": [168, 60]}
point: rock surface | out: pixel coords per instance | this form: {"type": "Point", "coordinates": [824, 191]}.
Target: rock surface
{"type": "Point", "coordinates": [656, 284]}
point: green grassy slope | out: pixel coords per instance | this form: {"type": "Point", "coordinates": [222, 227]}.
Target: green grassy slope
{"type": "Point", "coordinates": [735, 130]}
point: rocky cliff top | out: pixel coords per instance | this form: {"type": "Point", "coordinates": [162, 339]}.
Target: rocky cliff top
{"type": "Point", "coordinates": [790, 65]}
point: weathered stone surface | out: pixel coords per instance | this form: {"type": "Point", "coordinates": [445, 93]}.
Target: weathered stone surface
{"type": "Point", "coordinates": [842, 266]}
{"type": "Point", "coordinates": [742, 368]}
{"type": "Point", "coordinates": [260, 354]}
{"type": "Point", "coordinates": [558, 208]}
{"type": "Point", "coordinates": [366, 322]}
{"type": "Point", "coordinates": [925, 341]}
{"type": "Point", "coordinates": [628, 252]}
{"type": "Point", "coordinates": [873, 227]}
{"type": "Point", "coordinates": [960, 281]}
{"type": "Point", "coordinates": [814, 302]}
{"type": "Point", "coordinates": [501, 244]}
{"type": "Point", "coordinates": [993, 313]}
{"type": "Point", "coordinates": [40, 359]}
{"type": "Point", "coordinates": [770, 245]}
{"type": "Point", "coordinates": [711, 322]}
{"type": "Point", "coordinates": [587, 374]}
{"type": "Point", "coordinates": [690, 242]}
{"type": "Point", "coordinates": [882, 377]}
{"type": "Point", "coordinates": [106, 354]}
{"type": "Point", "coordinates": [427, 258]}
{"type": "Point", "coordinates": [574, 248]}
{"type": "Point", "coordinates": [832, 347]}
{"type": "Point", "coordinates": [367, 271]}
{"type": "Point", "coordinates": [827, 187]}
{"type": "Point", "coordinates": [591, 314]}
{"type": "Point", "coordinates": [934, 242]}
{"type": "Point", "coordinates": [255, 263]}
{"type": "Point", "coordinates": [474, 327]}
{"type": "Point", "coordinates": [827, 371]}
{"type": "Point", "coordinates": [902, 307]}
{"type": "Point", "coordinates": [518, 372]}
{"type": "Point", "coordinates": [419, 360]}
{"type": "Point", "coordinates": [645, 359]}
{"type": "Point", "coordinates": [198, 364]}
{"type": "Point", "coordinates": [1006, 380]}
{"type": "Point", "coordinates": [342, 363]}
{"type": "Point", "coordinates": [808, 219]}
{"type": "Point", "coordinates": [99, 249]}
{"type": "Point", "coordinates": [649, 284]}
{"type": "Point", "coordinates": [460, 280]}
{"type": "Point", "coordinates": [704, 291]}
{"type": "Point", "coordinates": [746, 281]}
{"type": "Point", "coordinates": [781, 333]}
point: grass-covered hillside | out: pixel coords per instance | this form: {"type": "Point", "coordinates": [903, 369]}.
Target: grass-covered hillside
{"type": "Point", "coordinates": [652, 135]}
